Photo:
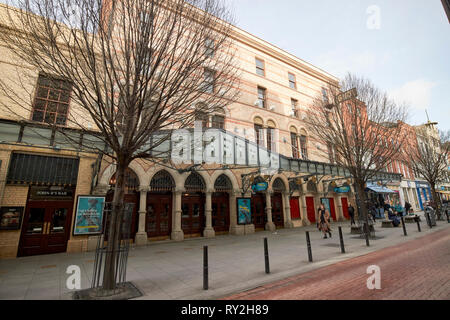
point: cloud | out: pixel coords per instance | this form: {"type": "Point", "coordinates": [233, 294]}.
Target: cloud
{"type": "Point", "coordinates": [416, 93]}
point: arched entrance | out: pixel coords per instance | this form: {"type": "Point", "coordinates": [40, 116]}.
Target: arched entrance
{"type": "Point", "coordinates": [258, 204]}
{"type": "Point", "coordinates": [131, 195]}
{"type": "Point", "coordinates": [193, 205]}
{"type": "Point", "coordinates": [220, 204]}
{"type": "Point", "coordinates": [159, 205]}
{"type": "Point", "coordinates": [277, 202]}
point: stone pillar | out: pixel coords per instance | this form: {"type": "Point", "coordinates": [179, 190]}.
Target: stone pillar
{"type": "Point", "coordinates": [269, 224]}
{"type": "Point", "coordinates": [208, 232]}
{"type": "Point", "coordinates": [287, 211]}
{"type": "Point", "coordinates": [177, 233]}
{"type": "Point", "coordinates": [141, 235]}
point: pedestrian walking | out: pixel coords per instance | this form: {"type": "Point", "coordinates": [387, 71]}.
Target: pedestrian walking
{"type": "Point", "coordinates": [407, 207]}
{"type": "Point", "coordinates": [324, 224]}
{"type": "Point", "coordinates": [351, 212]}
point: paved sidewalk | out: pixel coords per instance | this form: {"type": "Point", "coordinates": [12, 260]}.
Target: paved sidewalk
{"type": "Point", "coordinates": [416, 270]}
{"type": "Point", "coordinates": [173, 270]}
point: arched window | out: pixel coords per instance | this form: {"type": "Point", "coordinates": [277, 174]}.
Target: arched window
{"type": "Point", "coordinates": [294, 143]}
{"type": "Point", "coordinates": [304, 144]}
{"type": "Point", "coordinates": [223, 184]}
{"type": "Point", "coordinates": [278, 185]}
{"type": "Point", "coordinates": [311, 186]}
{"type": "Point", "coordinates": [131, 181]}
{"type": "Point", "coordinates": [259, 137]}
{"type": "Point", "coordinates": [270, 135]}
{"type": "Point", "coordinates": [194, 183]}
{"type": "Point", "coordinates": [162, 181]}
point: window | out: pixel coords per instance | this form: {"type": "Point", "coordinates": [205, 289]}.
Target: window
{"type": "Point", "coordinates": [209, 47]}
{"type": "Point", "coordinates": [51, 103]}
{"type": "Point", "coordinates": [218, 122]}
{"type": "Point", "coordinates": [209, 80]}
{"type": "Point", "coordinates": [270, 135]}
{"type": "Point", "coordinates": [203, 117]}
{"type": "Point", "coordinates": [292, 82]}
{"type": "Point", "coordinates": [324, 95]}
{"type": "Point", "coordinates": [261, 97]}
{"type": "Point", "coordinates": [259, 134]}
{"type": "Point", "coordinates": [294, 143]}
{"type": "Point", "coordinates": [294, 107]}
{"type": "Point", "coordinates": [260, 67]}
{"type": "Point", "coordinates": [304, 147]}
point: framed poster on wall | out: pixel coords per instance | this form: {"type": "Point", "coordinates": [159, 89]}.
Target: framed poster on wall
{"type": "Point", "coordinates": [244, 211]}
{"type": "Point", "coordinates": [11, 218]}
{"type": "Point", "coordinates": [88, 215]}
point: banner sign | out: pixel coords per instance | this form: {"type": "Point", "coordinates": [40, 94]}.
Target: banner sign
{"type": "Point", "coordinates": [244, 211]}
{"type": "Point", "coordinates": [260, 186]}
{"type": "Point", "coordinates": [343, 189]}
{"type": "Point", "coordinates": [89, 215]}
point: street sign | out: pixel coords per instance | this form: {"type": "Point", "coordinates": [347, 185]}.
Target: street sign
{"type": "Point", "coordinates": [347, 95]}
{"type": "Point", "coordinates": [260, 186]}
{"type": "Point", "coordinates": [343, 189]}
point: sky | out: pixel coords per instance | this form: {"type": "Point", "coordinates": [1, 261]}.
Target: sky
{"type": "Point", "coordinates": [402, 46]}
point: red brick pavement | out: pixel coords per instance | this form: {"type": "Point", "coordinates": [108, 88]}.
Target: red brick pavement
{"type": "Point", "coordinates": [418, 269]}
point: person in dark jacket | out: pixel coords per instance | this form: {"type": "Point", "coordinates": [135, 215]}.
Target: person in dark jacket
{"type": "Point", "coordinates": [407, 207]}
{"type": "Point", "coordinates": [351, 212]}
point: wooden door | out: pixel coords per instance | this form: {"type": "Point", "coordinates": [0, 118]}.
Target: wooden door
{"type": "Point", "coordinates": [46, 227]}
{"type": "Point", "coordinates": [159, 214]}
{"type": "Point", "coordinates": [192, 214]}
{"type": "Point", "coordinates": [258, 204]}
{"type": "Point", "coordinates": [295, 208]}
{"type": "Point", "coordinates": [310, 210]}
{"type": "Point", "coordinates": [277, 210]}
{"type": "Point", "coordinates": [345, 207]}
{"type": "Point", "coordinates": [332, 209]}
{"type": "Point", "coordinates": [127, 198]}
{"type": "Point", "coordinates": [220, 212]}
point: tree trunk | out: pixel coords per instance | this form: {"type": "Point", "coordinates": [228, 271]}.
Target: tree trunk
{"type": "Point", "coordinates": [436, 200]}
{"type": "Point", "coordinates": [109, 281]}
{"type": "Point", "coordinates": [361, 202]}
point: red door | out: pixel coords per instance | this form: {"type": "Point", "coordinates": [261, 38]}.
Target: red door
{"type": "Point", "coordinates": [332, 209]}
{"type": "Point", "coordinates": [220, 212]}
{"type": "Point", "coordinates": [295, 209]}
{"type": "Point", "coordinates": [258, 204]}
{"type": "Point", "coordinates": [310, 209]}
{"type": "Point", "coordinates": [345, 208]}
{"type": "Point", "coordinates": [193, 213]}
{"type": "Point", "coordinates": [159, 214]}
{"type": "Point", "coordinates": [45, 228]}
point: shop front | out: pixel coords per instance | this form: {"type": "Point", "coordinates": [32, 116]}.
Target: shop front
{"type": "Point", "coordinates": [50, 183]}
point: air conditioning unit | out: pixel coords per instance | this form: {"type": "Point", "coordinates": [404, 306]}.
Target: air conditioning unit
{"type": "Point", "coordinates": [292, 113]}
{"type": "Point", "coordinates": [256, 103]}
{"type": "Point", "coordinates": [271, 108]}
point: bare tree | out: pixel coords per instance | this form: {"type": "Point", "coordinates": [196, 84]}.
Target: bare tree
{"type": "Point", "coordinates": [362, 133]}
{"type": "Point", "coordinates": [428, 156]}
{"type": "Point", "coordinates": [133, 68]}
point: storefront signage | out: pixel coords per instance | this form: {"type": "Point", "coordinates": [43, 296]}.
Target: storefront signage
{"type": "Point", "coordinates": [260, 186]}
{"type": "Point", "coordinates": [244, 211]}
{"type": "Point", "coordinates": [10, 218]}
{"type": "Point", "coordinates": [89, 215]}
{"type": "Point", "coordinates": [342, 189]}
{"type": "Point", "coordinates": [51, 193]}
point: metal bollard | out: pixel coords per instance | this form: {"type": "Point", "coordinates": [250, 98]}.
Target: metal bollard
{"type": "Point", "coordinates": [341, 239]}
{"type": "Point", "coordinates": [266, 256]}
{"type": "Point", "coordinates": [404, 226]}
{"type": "Point", "coordinates": [418, 224]}
{"type": "Point", "coordinates": [205, 267]}
{"type": "Point", "coordinates": [366, 233]}
{"type": "Point", "coordinates": [428, 219]}
{"type": "Point", "coordinates": [308, 244]}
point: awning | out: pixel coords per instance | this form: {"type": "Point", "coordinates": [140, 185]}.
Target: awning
{"type": "Point", "coordinates": [378, 189]}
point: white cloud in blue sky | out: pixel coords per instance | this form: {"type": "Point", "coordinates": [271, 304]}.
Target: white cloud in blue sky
{"type": "Point", "coordinates": [409, 56]}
